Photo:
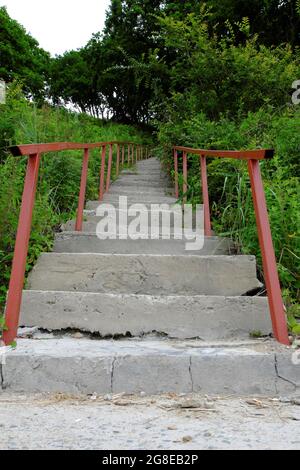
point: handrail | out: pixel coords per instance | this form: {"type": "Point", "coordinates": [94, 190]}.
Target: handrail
{"type": "Point", "coordinates": [261, 154]}
{"type": "Point", "coordinates": [30, 149]}
{"type": "Point", "coordinates": [253, 157]}
{"type": "Point", "coordinates": [34, 151]}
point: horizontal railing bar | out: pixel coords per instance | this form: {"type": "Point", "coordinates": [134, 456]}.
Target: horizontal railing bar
{"type": "Point", "coordinates": [32, 149]}
{"type": "Point", "coordinates": [261, 154]}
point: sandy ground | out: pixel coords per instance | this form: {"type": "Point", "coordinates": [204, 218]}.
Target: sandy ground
{"type": "Point", "coordinates": [167, 422]}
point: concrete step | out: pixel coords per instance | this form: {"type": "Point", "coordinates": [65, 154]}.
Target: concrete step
{"type": "Point", "coordinates": [88, 213]}
{"type": "Point", "coordinates": [144, 176]}
{"type": "Point", "coordinates": [137, 198]}
{"type": "Point", "coordinates": [145, 183]}
{"type": "Point", "coordinates": [163, 230]}
{"type": "Point", "coordinates": [141, 168]}
{"type": "Point", "coordinates": [131, 191]}
{"type": "Point", "coordinates": [80, 242]}
{"type": "Point", "coordinates": [183, 317]}
{"type": "Point", "coordinates": [71, 366]}
{"type": "Point", "coordinates": [147, 177]}
{"type": "Point", "coordinates": [149, 164]}
{"type": "Point", "coordinates": [145, 274]}
{"type": "Point", "coordinates": [151, 170]}
{"type": "Point", "coordinates": [137, 173]}
{"type": "Point", "coordinates": [146, 180]}
{"type": "Point", "coordinates": [137, 183]}
{"type": "Point", "coordinates": [164, 219]}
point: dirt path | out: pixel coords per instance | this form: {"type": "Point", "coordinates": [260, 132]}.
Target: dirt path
{"type": "Point", "coordinates": [134, 422]}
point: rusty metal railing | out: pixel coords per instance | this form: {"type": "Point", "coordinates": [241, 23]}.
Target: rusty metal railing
{"type": "Point", "coordinates": [34, 151]}
{"type": "Point", "coordinates": [253, 157]}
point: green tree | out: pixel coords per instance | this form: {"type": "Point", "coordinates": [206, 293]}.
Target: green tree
{"type": "Point", "coordinates": [21, 57]}
{"type": "Point", "coordinates": [70, 81]}
{"type": "Point", "coordinates": [275, 21]}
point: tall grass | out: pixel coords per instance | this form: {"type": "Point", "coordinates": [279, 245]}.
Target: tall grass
{"type": "Point", "coordinates": [22, 122]}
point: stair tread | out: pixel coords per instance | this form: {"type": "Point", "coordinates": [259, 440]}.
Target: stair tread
{"type": "Point", "coordinates": [177, 316]}
{"type": "Point", "coordinates": [67, 365]}
{"type": "Point", "coordinates": [147, 274]}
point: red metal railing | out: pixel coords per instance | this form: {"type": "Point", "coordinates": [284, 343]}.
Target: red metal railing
{"type": "Point", "coordinates": [253, 157]}
{"type": "Point", "coordinates": [34, 151]}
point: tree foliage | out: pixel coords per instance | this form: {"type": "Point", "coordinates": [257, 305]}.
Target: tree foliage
{"type": "Point", "coordinates": [153, 50]}
{"type": "Point", "coordinates": [21, 57]}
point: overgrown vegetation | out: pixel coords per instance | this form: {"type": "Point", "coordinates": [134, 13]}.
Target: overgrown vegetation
{"type": "Point", "coordinates": [229, 185]}
{"type": "Point", "coordinates": [59, 180]}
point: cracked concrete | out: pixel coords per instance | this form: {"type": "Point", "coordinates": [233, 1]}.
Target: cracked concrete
{"type": "Point", "coordinates": [151, 366]}
{"type": "Point", "coordinates": [292, 383]}
{"type": "Point", "coordinates": [191, 374]}
{"type": "Point", "coordinates": [85, 242]}
{"type": "Point", "coordinates": [112, 373]}
{"type": "Point", "coordinates": [146, 274]}
{"type": "Point", "coordinates": [206, 317]}
{"type": "Point", "coordinates": [1, 378]}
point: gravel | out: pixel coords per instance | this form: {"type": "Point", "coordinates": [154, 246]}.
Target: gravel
{"type": "Point", "coordinates": [169, 422]}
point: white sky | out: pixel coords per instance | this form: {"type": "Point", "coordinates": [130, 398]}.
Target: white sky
{"type": "Point", "coordinates": [59, 25]}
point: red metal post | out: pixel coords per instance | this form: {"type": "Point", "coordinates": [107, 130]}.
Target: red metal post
{"type": "Point", "coordinates": [102, 173]}
{"type": "Point", "coordinates": [14, 298]}
{"type": "Point", "coordinates": [109, 167]}
{"type": "Point", "coordinates": [185, 176]}
{"type": "Point", "coordinates": [123, 155]}
{"type": "Point", "coordinates": [118, 160]}
{"type": "Point", "coordinates": [176, 174]}
{"type": "Point", "coordinates": [268, 255]}
{"type": "Point", "coordinates": [207, 220]}
{"type": "Point", "coordinates": [81, 201]}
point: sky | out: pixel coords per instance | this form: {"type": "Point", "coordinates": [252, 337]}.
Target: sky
{"type": "Point", "coordinates": [59, 25]}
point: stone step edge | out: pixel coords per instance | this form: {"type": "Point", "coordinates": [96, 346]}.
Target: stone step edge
{"type": "Point", "coordinates": [198, 258]}
{"type": "Point", "coordinates": [84, 233]}
{"type": "Point", "coordinates": [88, 367]}
{"type": "Point", "coordinates": [206, 317]}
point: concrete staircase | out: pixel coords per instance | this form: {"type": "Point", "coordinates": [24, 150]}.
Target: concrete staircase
{"type": "Point", "coordinates": [163, 319]}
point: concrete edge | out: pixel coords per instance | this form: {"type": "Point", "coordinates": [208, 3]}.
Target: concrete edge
{"type": "Point", "coordinates": [108, 367]}
{"type": "Point", "coordinates": [119, 315]}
